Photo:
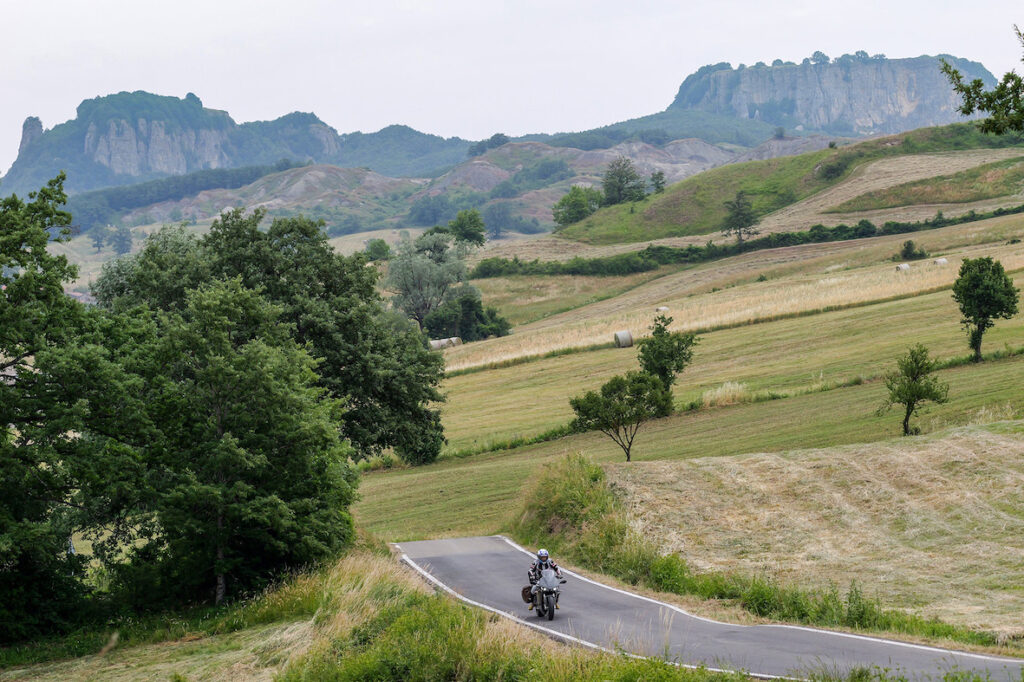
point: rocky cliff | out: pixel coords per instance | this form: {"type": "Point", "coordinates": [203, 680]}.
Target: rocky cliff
{"type": "Point", "coordinates": [128, 137]}
{"type": "Point", "coordinates": [853, 94]}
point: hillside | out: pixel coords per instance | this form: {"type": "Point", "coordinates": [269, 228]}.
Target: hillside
{"type": "Point", "coordinates": [696, 206]}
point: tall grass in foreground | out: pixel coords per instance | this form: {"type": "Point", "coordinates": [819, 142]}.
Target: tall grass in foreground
{"type": "Point", "coordinates": [573, 511]}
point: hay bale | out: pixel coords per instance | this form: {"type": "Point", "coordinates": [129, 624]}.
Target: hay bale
{"type": "Point", "coordinates": [455, 341]}
{"type": "Point", "coordinates": [623, 339]}
{"type": "Point", "coordinates": [440, 344]}
{"type": "Point", "coordinates": [661, 309]}
{"type": "Point", "coordinates": [940, 261]}
{"type": "Point", "coordinates": [902, 266]}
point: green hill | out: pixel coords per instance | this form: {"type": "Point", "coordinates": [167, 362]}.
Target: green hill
{"type": "Point", "coordinates": [695, 206]}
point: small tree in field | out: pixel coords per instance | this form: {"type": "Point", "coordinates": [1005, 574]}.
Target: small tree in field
{"type": "Point", "coordinates": [984, 292]}
{"type": "Point", "coordinates": [665, 354]}
{"type": "Point", "coordinates": [741, 219]}
{"type": "Point", "coordinates": [658, 181]}
{"type": "Point", "coordinates": [622, 407]}
{"type": "Point", "coordinates": [912, 384]}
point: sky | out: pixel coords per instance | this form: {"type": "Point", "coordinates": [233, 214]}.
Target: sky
{"type": "Point", "coordinates": [466, 68]}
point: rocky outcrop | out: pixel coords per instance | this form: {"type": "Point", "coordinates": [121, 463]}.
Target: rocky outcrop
{"type": "Point", "coordinates": [854, 94]}
{"type": "Point", "coordinates": [31, 130]}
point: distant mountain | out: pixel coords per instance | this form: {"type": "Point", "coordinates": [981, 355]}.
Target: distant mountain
{"type": "Point", "coordinates": [128, 137]}
{"type": "Point", "coordinates": [853, 94]}
{"type": "Point", "coordinates": [131, 137]}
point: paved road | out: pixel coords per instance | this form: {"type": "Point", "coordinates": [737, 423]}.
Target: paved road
{"type": "Point", "coordinates": [489, 572]}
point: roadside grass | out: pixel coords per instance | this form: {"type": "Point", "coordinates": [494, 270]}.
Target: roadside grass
{"type": "Point", "coordinates": [708, 297]}
{"type": "Point", "coordinates": [988, 181]}
{"type": "Point", "coordinates": [476, 495]}
{"type": "Point", "coordinates": [933, 524]}
{"type": "Point", "coordinates": [572, 509]}
{"type": "Point", "coordinates": [695, 205]}
{"type": "Point", "coordinates": [783, 357]}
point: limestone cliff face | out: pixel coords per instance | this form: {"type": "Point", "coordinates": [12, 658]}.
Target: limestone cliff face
{"type": "Point", "coordinates": [852, 94]}
{"type": "Point", "coordinates": [146, 147]}
{"type": "Point", "coordinates": [128, 137]}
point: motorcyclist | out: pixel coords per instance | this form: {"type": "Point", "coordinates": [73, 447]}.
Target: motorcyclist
{"type": "Point", "coordinates": [541, 563]}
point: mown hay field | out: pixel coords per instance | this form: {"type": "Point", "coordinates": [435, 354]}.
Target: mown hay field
{"type": "Point", "coordinates": [933, 525]}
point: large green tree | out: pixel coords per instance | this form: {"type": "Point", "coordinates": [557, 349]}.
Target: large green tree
{"type": "Point", "coordinates": [984, 293]}
{"type": "Point", "coordinates": [622, 182]}
{"type": "Point", "coordinates": [1004, 104]}
{"type": "Point", "coordinates": [221, 466]}
{"type": "Point", "coordinates": [375, 361]}
{"type": "Point", "coordinates": [424, 274]}
{"type": "Point", "coordinates": [39, 586]}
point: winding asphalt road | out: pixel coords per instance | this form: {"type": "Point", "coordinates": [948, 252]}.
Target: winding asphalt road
{"type": "Point", "coordinates": [489, 571]}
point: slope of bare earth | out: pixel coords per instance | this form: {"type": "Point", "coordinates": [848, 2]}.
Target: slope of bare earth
{"type": "Point", "coordinates": [803, 214]}
{"type": "Point", "coordinates": [932, 524]}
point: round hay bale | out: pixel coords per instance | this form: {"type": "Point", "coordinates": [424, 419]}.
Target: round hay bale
{"type": "Point", "coordinates": [661, 309]}
{"type": "Point", "coordinates": [455, 341]}
{"type": "Point", "coordinates": [902, 266]}
{"type": "Point", "coordinates": [623, 339]}
{"type": "Point", "coordinates": [940, 261]}
{"type": "Point", "coordinates": [440, 344]}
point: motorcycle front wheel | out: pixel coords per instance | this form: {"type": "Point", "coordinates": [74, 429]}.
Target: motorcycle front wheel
{"type": "Point", "coordinates": [550, 603]}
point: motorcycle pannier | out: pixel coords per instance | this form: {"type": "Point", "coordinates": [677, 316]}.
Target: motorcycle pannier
{"type": "Point", "coordinates": [527, 596]}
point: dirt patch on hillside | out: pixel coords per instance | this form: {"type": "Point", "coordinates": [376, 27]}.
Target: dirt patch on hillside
{"type": "Point", "coordinates": [932, 525]}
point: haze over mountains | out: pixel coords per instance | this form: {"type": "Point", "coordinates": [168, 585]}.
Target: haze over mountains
{"type": "Point", "coordinates": [719, 115]}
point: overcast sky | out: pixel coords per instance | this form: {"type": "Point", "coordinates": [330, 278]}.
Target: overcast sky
{"type": "Point", "coordinates": [451, 67]}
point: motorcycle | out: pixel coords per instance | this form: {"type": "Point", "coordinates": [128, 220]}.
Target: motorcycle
{"type": "Point", "coordinates": [546, 595]}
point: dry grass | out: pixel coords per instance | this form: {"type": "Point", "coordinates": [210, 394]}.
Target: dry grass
{"type": "Point", "coordinates": [930, 524]}
{"type": "Point", "coordinates": [738, 304]}
{"type": "Point", "coordinates": [729, 393]}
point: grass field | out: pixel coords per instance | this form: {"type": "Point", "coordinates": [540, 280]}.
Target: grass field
{"type": "Point", "coordinates": [929, 524]}
{"type": "Point", "coordinates": [727, 292]}
{"type": "Point", "coordinates": [988, 181]}
{"type": "Point", "coordinates": [479, 493]}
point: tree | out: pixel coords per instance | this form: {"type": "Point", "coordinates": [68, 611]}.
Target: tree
{"type": "Point", "coordinates": [577, 204]}
{"type": "Point", "coordinates": [378, 249]}
{"type": "Point", "coordinates": [99, 236]}
{"type": "Point", "coordinates": [465, 316]}
{"type": "Point", "coordinates": [121, 240]}
{"type": "Point", "coordinates": [658, 181]}
{"type": "Point", "coordinates": [423, 274]}
{"type": "Point", "coordinates": [245, 475]}
{"type": "Point", "coordinates": [741, 219]}
{"type": "Point", "coordinates": [431, 210]}
{"type": "Point", "coordinates": [820, 57]}
{"type": "Point", "coordinates": [622, 182]}
{"type": "Point", "coordinates": [623, 405]}
{"type": "Point", "coordinates": [984, 293]}
{"type": "Point", "coordinates": [912, 384]}
{"type": "Point", "coordinates": [40, 588]}
{"type": "Point", "coordinates": [467, 227]}
{"type": "Point", "coordinates": [1004, 104]}
{"type": "Point", "coordinates": [780, 133]}
{"type": "Point", "coordinates": [375, 361]}
{"type": "Point", "coordinates": [665, 354]}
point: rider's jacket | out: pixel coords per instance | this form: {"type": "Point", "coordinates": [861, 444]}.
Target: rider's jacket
{"type": "Point", "coordinates": [537, 566]}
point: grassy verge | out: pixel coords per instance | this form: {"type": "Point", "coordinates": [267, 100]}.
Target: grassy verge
{"type": "Point", "coordinates": [988, 181]}
{"type": "Point", "coordinates": [572, 509]}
